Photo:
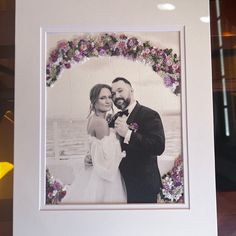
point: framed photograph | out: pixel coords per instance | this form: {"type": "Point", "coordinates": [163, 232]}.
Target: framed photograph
{"type": "Point", "coordinates": [74, 64]}
{"type": "Point", "coordinates": [113, 119]}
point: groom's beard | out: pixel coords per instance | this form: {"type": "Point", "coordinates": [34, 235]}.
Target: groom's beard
{"type": "Point", "coordinates": [122, 103]}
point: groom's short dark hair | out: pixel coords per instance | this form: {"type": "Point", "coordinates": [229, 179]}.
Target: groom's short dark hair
{"type": "Point", "coordinates": [121, 79]}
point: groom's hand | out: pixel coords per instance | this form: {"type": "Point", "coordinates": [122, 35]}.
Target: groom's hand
{"type": "Point", "coordinates": [121, 126]}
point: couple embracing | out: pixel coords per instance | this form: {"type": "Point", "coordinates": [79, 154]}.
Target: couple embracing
{"type": "Point", "coordinates": [123, 150]}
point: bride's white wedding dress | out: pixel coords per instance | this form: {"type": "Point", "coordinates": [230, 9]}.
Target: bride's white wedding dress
{"type": "Point", "coordinates": [102, 182]}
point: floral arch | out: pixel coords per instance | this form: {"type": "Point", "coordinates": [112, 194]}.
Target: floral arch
{"type": "Point", "coordinates": [163, 61]}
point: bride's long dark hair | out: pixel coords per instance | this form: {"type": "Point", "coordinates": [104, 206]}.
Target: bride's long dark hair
{"type": "Point", "coordinates": [94, 94]}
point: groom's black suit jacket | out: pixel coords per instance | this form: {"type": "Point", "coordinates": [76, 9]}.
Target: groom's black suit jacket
{"type": "Point", "coordinates": [139, 168]}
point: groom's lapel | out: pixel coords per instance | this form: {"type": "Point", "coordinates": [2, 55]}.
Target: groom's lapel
{"type": "Point", "coordinates": [133, 113]}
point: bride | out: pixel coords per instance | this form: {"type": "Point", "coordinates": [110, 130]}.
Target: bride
{"type": "Point", "coordinates": [101, 182]}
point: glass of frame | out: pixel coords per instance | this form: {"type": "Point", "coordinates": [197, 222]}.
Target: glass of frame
{"type": "Point", "coordinates": [73, 62]}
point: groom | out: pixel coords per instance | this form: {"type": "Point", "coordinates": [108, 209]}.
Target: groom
{"type": "Point", "coordinates": [143, 139]}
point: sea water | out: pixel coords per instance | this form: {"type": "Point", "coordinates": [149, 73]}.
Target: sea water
{"type": "Point", "coordinates": [67, 138]}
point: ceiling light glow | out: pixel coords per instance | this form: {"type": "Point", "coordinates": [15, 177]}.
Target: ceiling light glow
{"type": "Point", "coordinates": [166, 7]}
{"type": "Point", "coordinates": [205, 19]}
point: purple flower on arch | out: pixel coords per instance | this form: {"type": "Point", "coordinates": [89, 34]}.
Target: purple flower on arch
{"type": "Point", "coordinates": [168, 81]}
{"type": "Point", "coordinates": [102, 52]}
{"type": "Point", "coordinates": [63, 45]}
{"type": "Point", "coordinates": [123, 36]}
{"type": "Point", "coordinates": [67, 65]}
{"type": "Point", "coordinates": [132, 42]}
{"type": "Point", "coordinates": [77, 56]}
{"type": "Point", "coordinates": [176, 67]}
{"type": "Point", "coordinates": [54, 55]}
